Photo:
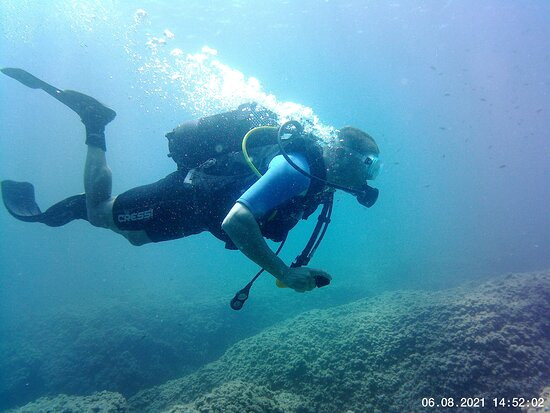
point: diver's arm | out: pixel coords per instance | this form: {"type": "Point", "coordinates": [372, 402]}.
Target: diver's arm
{"type": "Point", "coordinates": [243, 229]}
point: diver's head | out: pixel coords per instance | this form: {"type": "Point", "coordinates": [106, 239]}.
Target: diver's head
{"type": "Point", "coordinates": [352, 159]}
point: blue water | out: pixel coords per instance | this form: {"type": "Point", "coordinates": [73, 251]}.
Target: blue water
{"type": "Point", "coordinates": [456, 93]}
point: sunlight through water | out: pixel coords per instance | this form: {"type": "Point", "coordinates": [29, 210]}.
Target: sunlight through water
{"type": "Point", "coordinates": [202, 84]}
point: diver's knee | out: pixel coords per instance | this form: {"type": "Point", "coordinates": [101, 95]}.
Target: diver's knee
{"type": "Point", "coordinates": [137, 238]}
{"type": "Point", "coordinates": [101, 215]}
{"type": "Point", "coordinates": [136, 242]}
{"type": "Point", "coordinates": [96, 218]}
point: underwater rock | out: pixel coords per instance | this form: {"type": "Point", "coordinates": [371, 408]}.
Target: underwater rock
{"type": "Point", "coordinates": [385, 354]}
{"type": "Point", "coordinates": [126, 347]}
{"type": "Point", "coordinates": [101, 402]}
{"type": "Point", "coordinates": [231, 397]}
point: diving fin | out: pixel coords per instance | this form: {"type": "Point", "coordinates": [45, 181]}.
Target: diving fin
{"type": "Point", "coordinates": [20, 202]}
{"type": "Point", "coordinates": [92, 112]}
{"type": "Point", "coordinates": [29, 80]}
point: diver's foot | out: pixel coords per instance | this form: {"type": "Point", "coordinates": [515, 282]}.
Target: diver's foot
{"type": "Point", "coordinates": [93, 114]}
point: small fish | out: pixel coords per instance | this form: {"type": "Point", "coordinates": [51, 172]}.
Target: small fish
{"type": "Point", "coordinates": [447, 94]}
{"type": "Point", "coordinates": [483, 99]}
{"type": "Point", "coordinates": [443, 155]}
{"type": "Point", "coordinates": [433, 68]}
{"type": "Point", "coordinates": [396, 163]}
{"type": "Point", "coordinates": [442, 128]}
{"type": "Point", "coordinates": [539, 110]}
{"type": "Point", "coordinates": [502, 166]}
{"type": "Point", "coordinates": [427, 186]}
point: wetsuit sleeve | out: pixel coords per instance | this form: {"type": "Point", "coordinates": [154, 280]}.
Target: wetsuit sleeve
{"type": "Point", "coordinates": [280, 183]}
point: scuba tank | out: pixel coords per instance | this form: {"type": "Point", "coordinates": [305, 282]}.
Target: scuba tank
{"type": "Point", "coordinates": [194, 142]}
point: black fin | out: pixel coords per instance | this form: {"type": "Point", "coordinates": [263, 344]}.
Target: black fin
{"type": "Point", "coordinates": [20, 202]}
{"type": "Point", "coordinates": [91, 112]}
{"type": "Point", "coordinates": [27, 79]}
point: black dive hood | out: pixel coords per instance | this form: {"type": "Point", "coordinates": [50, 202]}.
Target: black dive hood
{"type": "Point", "coordinates": [366, 196]}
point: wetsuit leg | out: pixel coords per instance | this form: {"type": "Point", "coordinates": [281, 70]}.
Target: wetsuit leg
{"type": "Point", "coordinates": [165, 210]}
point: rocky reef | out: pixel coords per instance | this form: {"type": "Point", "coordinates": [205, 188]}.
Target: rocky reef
{"type": "Point", "coordinates": [383, 354]}
{"type": "Point", "coordinates": [131, 345]}
{"type": "Point", "coordinates": [101, 402]}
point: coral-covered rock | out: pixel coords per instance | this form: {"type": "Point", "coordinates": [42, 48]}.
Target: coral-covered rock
{"type": "Point", "coordinates": [129, 346]}
{"type": "Point", "coordinates": [238, 396]}
{"type": "Point", "coordinates": [102, 402]}
{"type": "Point", "coordinates": [386, 354]}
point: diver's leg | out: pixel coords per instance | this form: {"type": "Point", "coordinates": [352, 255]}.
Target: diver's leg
{"type": "Point", "coordinates": [97, 186]}
{"type": "Point", "coordinates": [99, 202]}
{"type": "Point", "coordinates": [97, 174]}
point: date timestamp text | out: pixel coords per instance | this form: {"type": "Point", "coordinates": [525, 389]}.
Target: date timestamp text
{"type": "Point", "coordinates": [481, 402]}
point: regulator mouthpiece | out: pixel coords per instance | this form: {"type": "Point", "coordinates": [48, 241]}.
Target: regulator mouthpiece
{"type": "Point", "coordinates": [367, 196]}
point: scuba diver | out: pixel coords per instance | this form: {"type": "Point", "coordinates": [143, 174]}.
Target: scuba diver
{"type": "Point", "coordinates": [241, 175]}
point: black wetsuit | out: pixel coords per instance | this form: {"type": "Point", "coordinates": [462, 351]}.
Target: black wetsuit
{"type": "Point", "coordinates": [186, 203]}
{"type": "Point", "coordinates": [165, 210]}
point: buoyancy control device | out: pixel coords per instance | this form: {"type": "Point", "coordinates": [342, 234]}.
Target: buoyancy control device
{"type": "Point", "coordinates": [196, 141]}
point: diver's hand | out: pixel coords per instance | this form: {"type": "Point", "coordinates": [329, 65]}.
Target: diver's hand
{"type": "Point", "coordinates": [304, 279]}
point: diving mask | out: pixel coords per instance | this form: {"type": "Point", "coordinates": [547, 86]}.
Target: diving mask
{"type": "Point", "coordinates": [367, 195]}
{"type": "Point", "coordinates": [371, 162]}
{"type": "Point", "coordinates": [373, 166]}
